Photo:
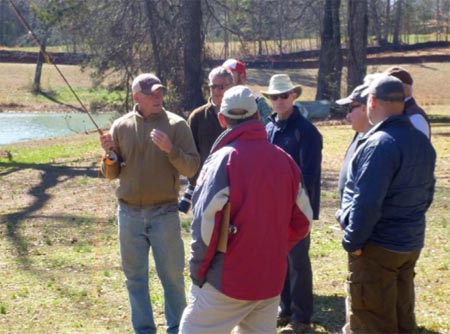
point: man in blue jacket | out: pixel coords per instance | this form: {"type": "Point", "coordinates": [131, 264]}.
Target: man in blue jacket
{"type": "Point", "coordinates": [298, 137]}
{"type": "Point", "coordinates": [390, 187]}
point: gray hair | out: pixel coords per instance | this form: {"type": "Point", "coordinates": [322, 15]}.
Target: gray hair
{"type": "Point", "coordinates": [220, 72]}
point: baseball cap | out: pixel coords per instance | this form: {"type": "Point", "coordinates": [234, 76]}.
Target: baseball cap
{"type": "Point", "coordinates": [400, 73]}
{"type": "Point", "coordinates": [146, 83]}
{"type": "Point", "coordinates": [238, 98]}
{"type": "Point", "coordinates": [359, 95]}
{"type": "Point", "coordinates": [387, 88]}
{"type": "Point", "coordinates": [234, 65]}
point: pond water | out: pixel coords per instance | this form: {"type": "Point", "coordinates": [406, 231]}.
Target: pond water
{"type": "Point", "coordinates": [15, 127]}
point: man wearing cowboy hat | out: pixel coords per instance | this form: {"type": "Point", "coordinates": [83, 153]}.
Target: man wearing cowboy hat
{"type": "Point", "coordinates": [292, 132]}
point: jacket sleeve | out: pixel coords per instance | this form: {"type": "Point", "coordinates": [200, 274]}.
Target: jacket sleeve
{"type": "Point", "coordinates": [302, 216]}
{"type": "Point", "coordinates": [209, 198]}
{"type": "Point", "coordinates": [264, 109]}
{"type": "Point", "coordinates": [311, 165]}
{"type": "Point", "coordinates": [184, 156]}
{"type": "Point", "coordinates": [371, 174]}
{"type": "Point", "coordinates": [112, 171]}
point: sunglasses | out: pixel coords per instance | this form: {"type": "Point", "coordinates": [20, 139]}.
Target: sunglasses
{"type": "Point", "coordinates": [221, 86]}
{"type": "Point", "coordinates": [350, 108]}
{"type": "Point", "coordinates": [282, 96]}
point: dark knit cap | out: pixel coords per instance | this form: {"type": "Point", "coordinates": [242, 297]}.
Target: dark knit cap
{"type": "Point", "coordinates": [400, 73]}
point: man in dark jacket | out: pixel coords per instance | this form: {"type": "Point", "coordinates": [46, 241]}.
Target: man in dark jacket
{"type": "Point", "coordinates": [389, 189]}
{"type": "Point", "coordinates": [297, 136]}
{"type": "Point", "coordinates": [237, 282]}
{"type": "Point", "coordinates": [205, 125]}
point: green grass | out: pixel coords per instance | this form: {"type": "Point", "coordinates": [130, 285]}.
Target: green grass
{"type": "Point", "coordinates": [60, 260]}
{"type": "Point", "coordinates": [51, 153]}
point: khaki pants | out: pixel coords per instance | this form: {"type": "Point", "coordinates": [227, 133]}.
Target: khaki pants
{"type": "Point", "coordinates": [380, 292]}
{"type": "Point", "coordinates": [211, 312]}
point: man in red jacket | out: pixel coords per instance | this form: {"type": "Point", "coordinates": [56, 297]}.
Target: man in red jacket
{"type": "Point", "coordinates": [239, 285]}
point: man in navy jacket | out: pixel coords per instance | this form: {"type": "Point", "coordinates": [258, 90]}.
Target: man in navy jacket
{"type": "Point", "coordinates": [297, 136]}
{"type": "Point", "coordinates": [390, 187]}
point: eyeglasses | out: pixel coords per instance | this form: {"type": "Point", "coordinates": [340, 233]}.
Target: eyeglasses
{"type": "Point", "coordinates": [214, 86]}
{"type": "Point", "coordinates": [350, 108]}
{"type": "Point", "coordinates": [282, 96]}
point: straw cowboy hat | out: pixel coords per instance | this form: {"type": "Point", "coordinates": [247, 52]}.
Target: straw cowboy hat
{"type": "Point", "coordinates": [281, 83]}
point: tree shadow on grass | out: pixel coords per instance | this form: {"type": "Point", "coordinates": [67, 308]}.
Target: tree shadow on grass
{"type": "Point", "coordinates": [50, 97]}
{"type": "Point", "coordinates": [51, 175]}
{"type": "Point", "coordinates": [329, 314]}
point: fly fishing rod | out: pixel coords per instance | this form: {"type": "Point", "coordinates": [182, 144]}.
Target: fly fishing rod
{"type": "Point", "coordinates": [111, 156]}
{"type": "Point", "coordinates": [49, 60]}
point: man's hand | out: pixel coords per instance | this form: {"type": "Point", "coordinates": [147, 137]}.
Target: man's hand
{"type": "Point", "coordinates": [357, 252]}
{"type": "Point", "coordinates": [107, 142]}
{"type": "Point", "coordinates": [161, 140]}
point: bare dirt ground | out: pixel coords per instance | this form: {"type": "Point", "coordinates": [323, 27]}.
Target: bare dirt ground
{"type": "Point", "coordinates": [43, 189]}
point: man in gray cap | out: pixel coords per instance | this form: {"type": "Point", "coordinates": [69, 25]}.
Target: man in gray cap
{"type": "Point", "coordinates": [237, 282]}
{"type": "Point", "coordinates": [389, 189]}
{"type": "Point", "coordinates": [356, 104]}
{"type": "Point", "coordinates": [152, 148]}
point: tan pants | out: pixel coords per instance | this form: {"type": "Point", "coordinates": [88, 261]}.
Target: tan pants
{"type": "Point", "coordinates": [380, 292]}
{"type": "Point", "coordinates": [210, 311]}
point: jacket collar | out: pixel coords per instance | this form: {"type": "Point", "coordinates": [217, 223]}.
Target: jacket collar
{"type": "Point", "coordinates": [251, 130]}
{"type": "Point", "coordinates": [392, 120]}
{"type": "Point", "coordinates": [138, 115]}
{"type": "Point", "coordinates": [281, 125]}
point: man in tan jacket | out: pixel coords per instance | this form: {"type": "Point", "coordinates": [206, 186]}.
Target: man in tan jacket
{"type": "Point", "coordinates": [152, 147]}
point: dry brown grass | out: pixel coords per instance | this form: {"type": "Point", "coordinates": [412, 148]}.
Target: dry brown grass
{"type": "Point", "coordinates": [17, 81]}
{"type": "Point", "coordinates": [431, 82]}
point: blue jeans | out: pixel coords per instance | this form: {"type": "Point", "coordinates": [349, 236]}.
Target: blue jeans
{"type": "Point", "coordinates": [297, 295]}
{"type": "Point", "coordinates": [159, 228]}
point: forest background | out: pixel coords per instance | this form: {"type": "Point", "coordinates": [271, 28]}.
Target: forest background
{"type": "Point", "coordinates": [180, 40]}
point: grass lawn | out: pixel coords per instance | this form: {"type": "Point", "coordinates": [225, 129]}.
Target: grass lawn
{"type": "Point", "coordinates": [59, 263]}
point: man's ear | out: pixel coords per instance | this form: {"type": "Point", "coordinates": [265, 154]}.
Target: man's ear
{"type": "Point", "coordinates": [222, 121]}
{"type": "Point", "coordinates": [372, 101]}
{"type": "Point", "coordinates": [136, 97]}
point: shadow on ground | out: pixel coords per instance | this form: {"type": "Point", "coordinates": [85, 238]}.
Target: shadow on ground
{"type": "Point", "coordinates": [50, 176]}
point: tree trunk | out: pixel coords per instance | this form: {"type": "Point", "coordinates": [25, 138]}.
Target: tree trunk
{"type": "Point", "coordinates": [260, 18]}
{"type": "Point", "coordinates": [387, 22]}
{"type": "Point", "coordinates": [357, 43]}
{"type": "Point", "coordinates": [376, 22]}
{"type": "Point", "coordinates": [39, 64]}
{"type": "Point", "coordinates": [398, 17]}
{"type": "Point", "coordinates": [154, 38]}
{"type": "Point", "coordinates": [330, 59]}
{"type": "Point", "coordinates": [438, 21]}
{"type": "Point", "coordinates": [192, 54]}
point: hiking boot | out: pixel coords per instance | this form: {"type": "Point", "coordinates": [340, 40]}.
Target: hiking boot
{"type": "Point", "coordinates": [283, 320]}
{"type": "Point", "coordinates": [296, 328]}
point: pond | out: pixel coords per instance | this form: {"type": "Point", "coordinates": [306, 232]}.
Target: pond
{"type": "Point", "coordinates": [16, 127]}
